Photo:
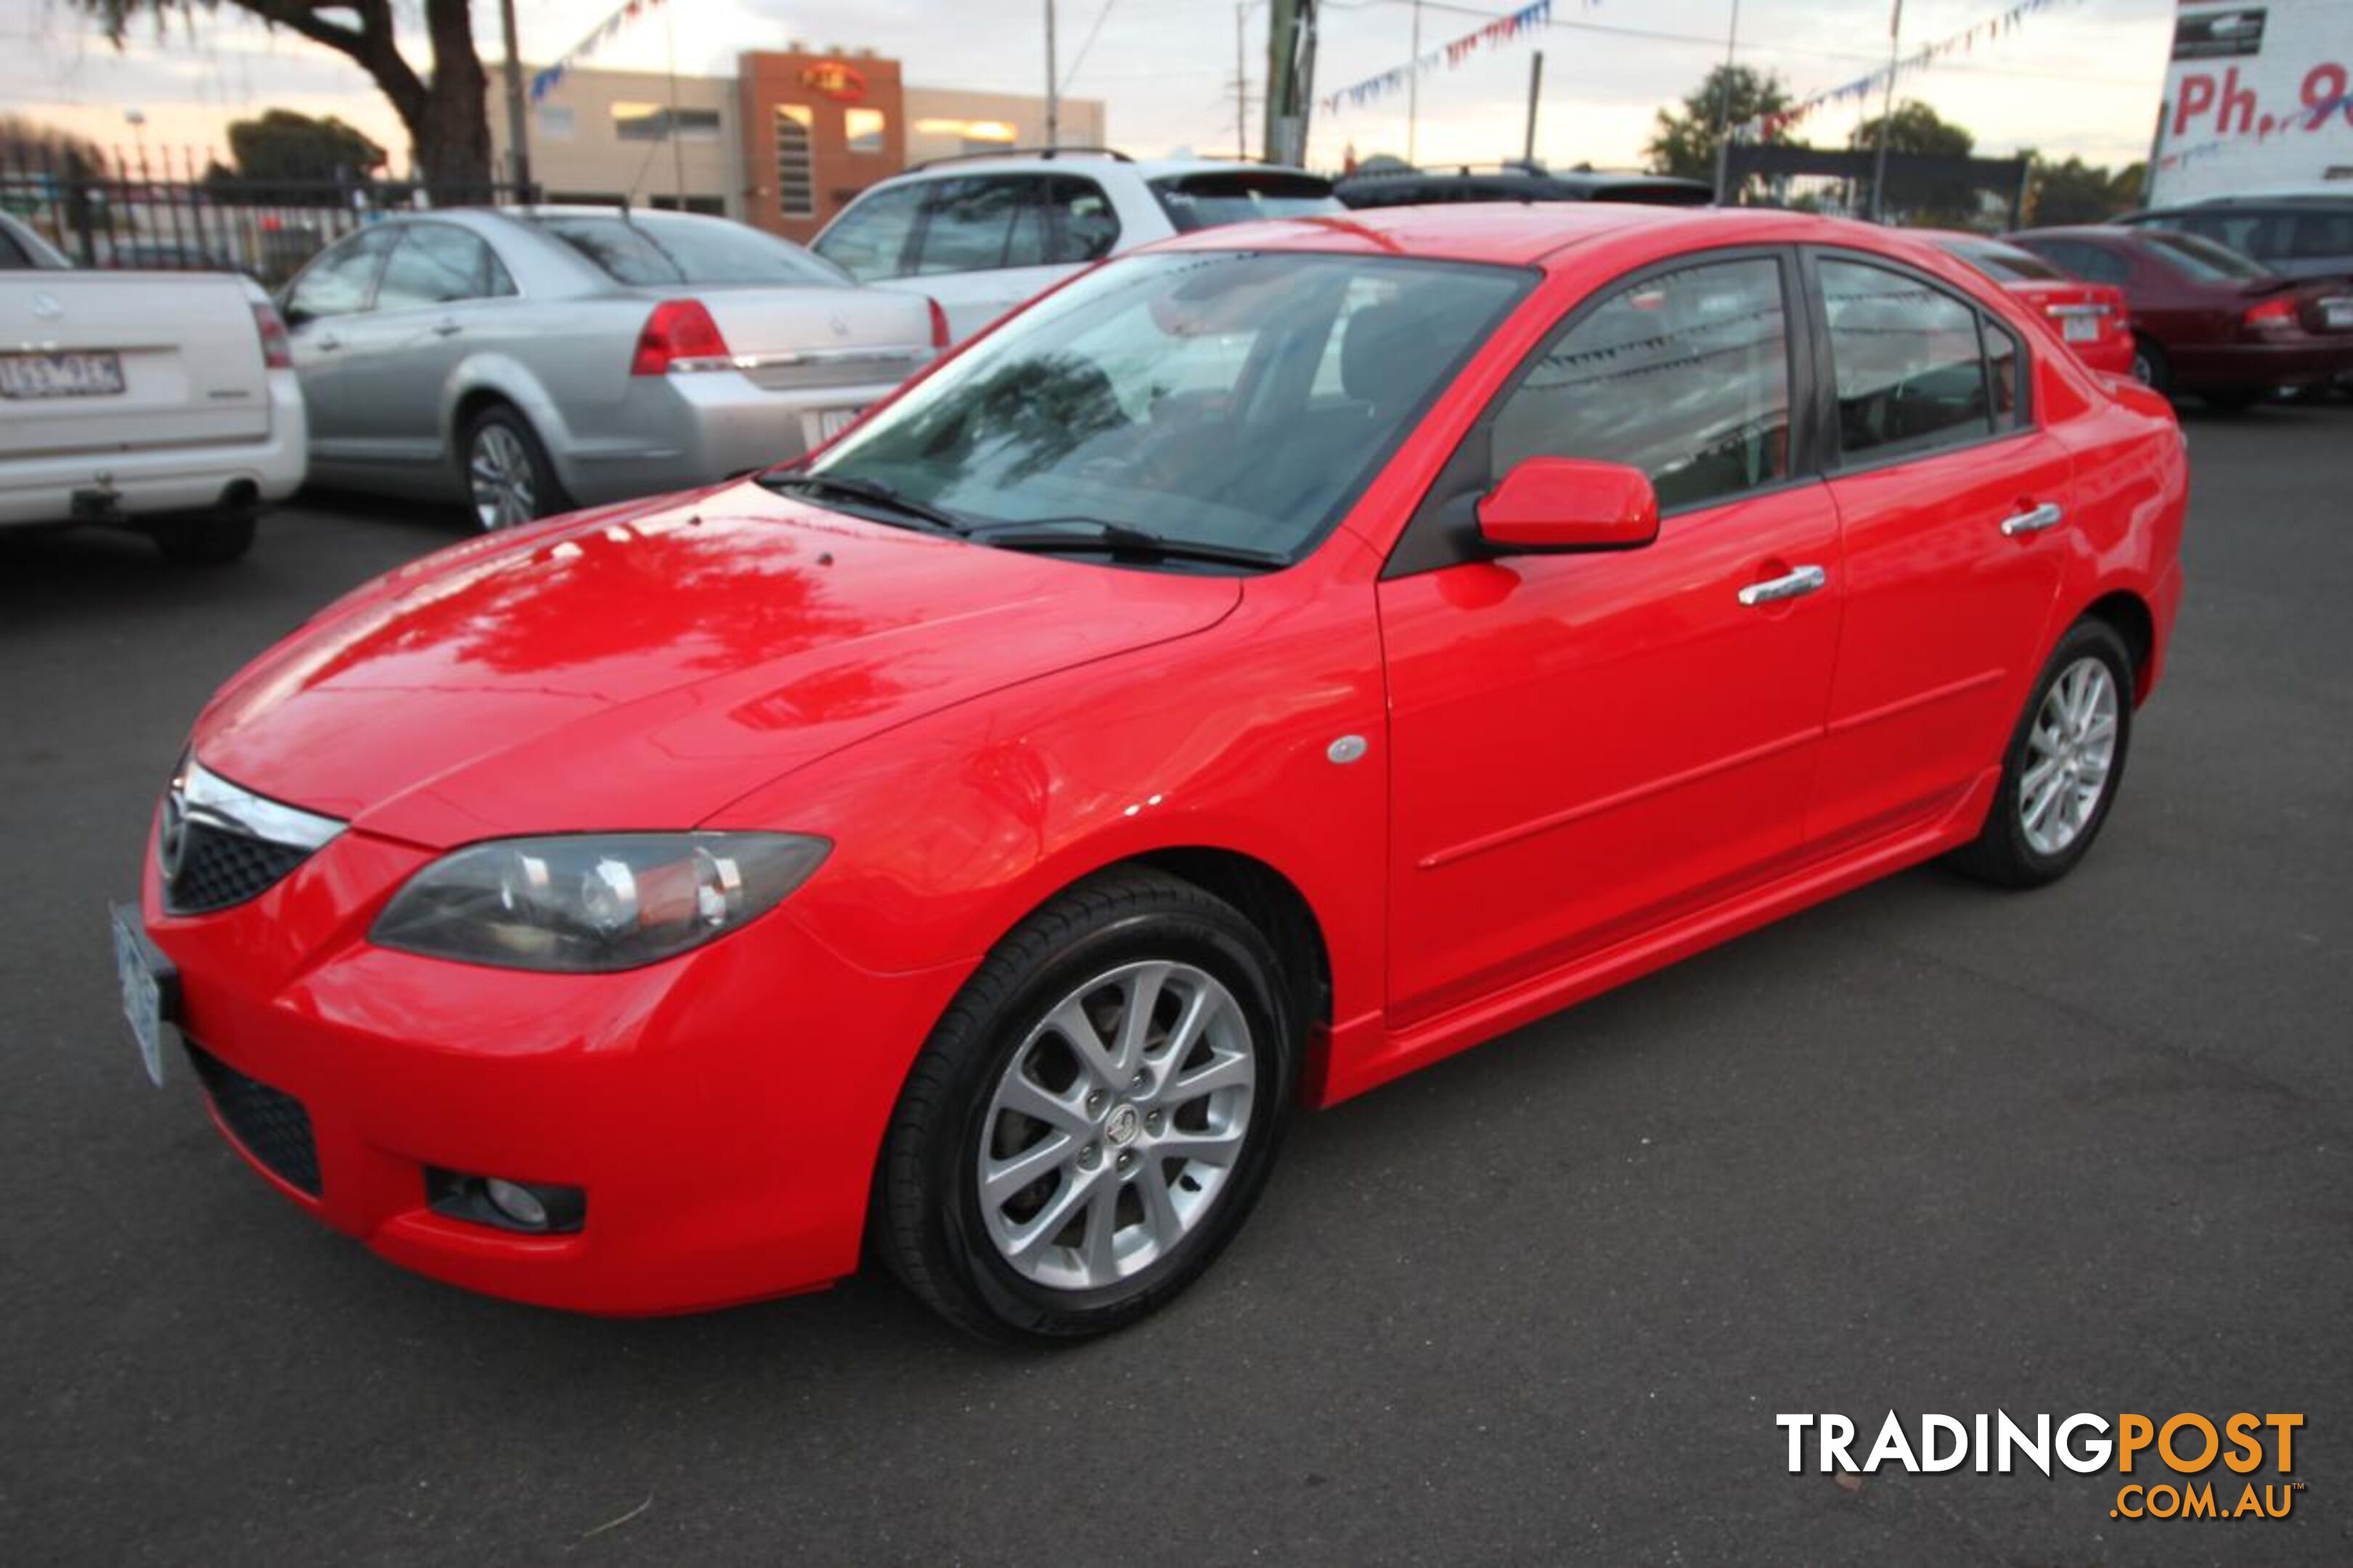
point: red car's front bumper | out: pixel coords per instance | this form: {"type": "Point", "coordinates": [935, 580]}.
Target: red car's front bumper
{"type": "Point", "coordinates": [722, 1111]}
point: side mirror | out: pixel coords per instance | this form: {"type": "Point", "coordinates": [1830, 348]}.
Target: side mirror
{"type": "Point", "coordinates": [1570, 503]}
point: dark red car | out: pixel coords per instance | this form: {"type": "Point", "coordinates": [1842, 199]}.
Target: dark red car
{"type": "Point", "coordinates": [2090, 318]}
{"type": "Point", "coordinates": [2206, 319]}
{"type": "Point", "coordinates": [1276, 660]}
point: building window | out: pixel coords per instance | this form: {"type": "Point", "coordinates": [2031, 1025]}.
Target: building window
{"type": "Point", "coordinates": [652, 122]}
{"type": "Point", "coordinates": [796, 162]}
{"type": "Point", "coordinates": [551, 122]}
{"type": "Point", "coordinates": [864, 128]}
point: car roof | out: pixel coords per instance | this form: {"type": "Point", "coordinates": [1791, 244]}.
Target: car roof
{"type": "Point", "coordinates": [2078, 231]}
{"type": "Point", "coordinates": [1515, 234]}
{"type": "Point", "coordinates": [1086, 160]}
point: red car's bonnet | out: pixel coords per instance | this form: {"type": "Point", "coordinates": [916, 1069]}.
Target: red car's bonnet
{"type": "Point", "coordinates": [642, 668]}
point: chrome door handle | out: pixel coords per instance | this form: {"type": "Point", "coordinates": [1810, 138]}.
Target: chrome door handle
{"type": "Point", "coordinates": [446, 329]}
{"type": "Point", "coordinates": [1801, 582]}
{"type": "Point", "coordinates": [2034, 521]}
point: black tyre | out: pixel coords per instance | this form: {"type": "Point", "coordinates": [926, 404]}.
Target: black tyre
{"type": "Point", "coordinates": [504, 467]}
{"type": "Point", "coordinates": [211, 541]}
{"type": "Point", "coordinates": [2065, 763]}
{"type": "Point", "coordinates": [1094, 1117]}
{"type": "Point", "coordinates": [2151, 365]}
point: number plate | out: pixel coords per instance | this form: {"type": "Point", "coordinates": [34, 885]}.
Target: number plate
{"type": "Point", "coordinates": [819, 426]}
{"type": "Point", "coordinates": [2080, 328]}
{"type": "Point", "coordinates": [2338, 313]}
{"type": "Point", "coordinates": [60, 375]}
{"type": "Point", "coordinates": [149, 988]}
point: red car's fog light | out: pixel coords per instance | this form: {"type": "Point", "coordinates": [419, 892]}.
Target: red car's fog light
{"type": "Point", "coordinates": [537, 1208]}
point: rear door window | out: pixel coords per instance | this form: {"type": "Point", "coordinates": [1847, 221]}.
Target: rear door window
{"type": "Point", "coordinates": [2320, 235]}
{"type": "Point", "coordinates": [1081, 224]}
{"type": "Point", "coordinates": [968, 224]}
{"type": "Point", "coordinates": [439, 264]}
{"type": "Point", "coordinates": [1910, 366]}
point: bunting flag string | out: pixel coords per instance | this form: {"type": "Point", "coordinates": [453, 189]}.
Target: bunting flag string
{"type": "Point", "coordinates": [1769, 127]}
{"type": "Point", "coordinates": [1490, 36]}
{"type": "Point", "coordinates": [604, 32]}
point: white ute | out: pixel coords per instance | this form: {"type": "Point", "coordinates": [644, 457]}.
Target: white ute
{"type": "Point", "coordinates": [159, 401]}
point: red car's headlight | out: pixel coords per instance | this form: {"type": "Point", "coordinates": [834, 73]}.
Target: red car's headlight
{"type": "Point", "coordinates": [594, 902]}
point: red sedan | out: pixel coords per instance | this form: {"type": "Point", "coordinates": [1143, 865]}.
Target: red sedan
{"type": "Point", "coordinates": [2090, 318]}
{"type": "Point", "coordinates": [2206, 319]}
{"type": "Point", "coordinates": [1269, 663]}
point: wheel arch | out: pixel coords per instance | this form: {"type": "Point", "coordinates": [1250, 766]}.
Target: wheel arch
{"type": "Point", "coordinates": [486, 380]}
{"type": "Point", "coordinates": [2129, 614]}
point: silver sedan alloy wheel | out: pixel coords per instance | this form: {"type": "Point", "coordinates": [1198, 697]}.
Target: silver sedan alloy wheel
{"type": "Point", "coordinates": [1116, 1125]}
{"type": "Point", "coordinates": [505, 488]}
{"type": "Point", "coordinates": [2072, 752]}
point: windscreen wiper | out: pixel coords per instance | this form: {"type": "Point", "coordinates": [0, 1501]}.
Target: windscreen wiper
{"type": "Point", "coordinates": [874, 493]}
{"type": "Point", "coordinates": [1120, 540]}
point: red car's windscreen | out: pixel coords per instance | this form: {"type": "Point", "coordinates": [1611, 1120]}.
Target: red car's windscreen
{"type": "Point", "coordinates": [1217, 399]}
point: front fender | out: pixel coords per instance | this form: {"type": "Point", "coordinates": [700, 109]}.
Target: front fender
{"type": "Point", "coordinates": [950, 829]}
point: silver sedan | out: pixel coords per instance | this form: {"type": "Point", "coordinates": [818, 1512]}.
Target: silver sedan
{"type": "Point", "coordinates": [526, 359]}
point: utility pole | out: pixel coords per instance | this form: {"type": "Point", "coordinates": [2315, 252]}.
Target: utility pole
{"type": "Point", "coordinates": [1241, 86]}
{"type": "Point", "coordinates": [1536, 86]}
{"type": "Point", "coordinates": [1053, 87]}
{"type": "Point", "coordinates": [1290, 78]}
{"type": "Point", "coordinates": [1886, 115]}
{"type": "Point", "coordinates": [1413, 90]}
{"type": "Point", "coordinates": [518, 121]}
{"type": "Point", "coordinates": [1723, 103]}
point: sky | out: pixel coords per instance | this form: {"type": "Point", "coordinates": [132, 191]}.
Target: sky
{"type": "Point", "coordinates": [2083, 77]}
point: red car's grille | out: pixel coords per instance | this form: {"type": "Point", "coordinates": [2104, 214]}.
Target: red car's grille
{"type": "Point", "coordinates": [218, 868]}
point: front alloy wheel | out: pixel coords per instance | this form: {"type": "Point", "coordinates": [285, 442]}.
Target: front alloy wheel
{"type": "Point", "coordinates": [1116, 1124]}
{"type": "Point", "coordinates": [1093, 1118]}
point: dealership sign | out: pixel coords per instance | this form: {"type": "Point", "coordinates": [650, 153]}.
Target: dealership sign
{"type": "Point", "coordinates": [836, 80]}
{"type": "Point", "coordinates": [2256, 94]}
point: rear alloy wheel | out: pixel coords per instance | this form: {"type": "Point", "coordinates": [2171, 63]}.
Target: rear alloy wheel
{"type": "Point", "coordinates": [2150, 367]}
{"type": "Point", "coordinates": [1092, 1120]}
{"type": "Point", "coordinates": [2063, 766]}
{"type": "Point", "coordinates": [507, 479]}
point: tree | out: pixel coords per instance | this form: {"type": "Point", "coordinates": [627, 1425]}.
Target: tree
{"type": "Point", "coordinates": [1685, 141]}
{"type": "Point", "coordinates": [446, 111]}
{"type": "Point", "coordinates": [28, 145]}
{"type": "Point", "coordinates": [284, 145]}
{"type": "Point", "coordinates": [2077, 192]}
{"type": "Point", "coordinates": [1917, 130]}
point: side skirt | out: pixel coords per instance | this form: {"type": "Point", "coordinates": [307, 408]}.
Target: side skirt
{"type": "Point", "coordinates": [1364, 1054]}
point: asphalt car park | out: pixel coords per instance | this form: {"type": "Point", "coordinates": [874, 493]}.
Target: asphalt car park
{"type": "Point", "coordinates": [1927, 1147]}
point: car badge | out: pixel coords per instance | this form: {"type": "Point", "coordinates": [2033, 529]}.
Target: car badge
{"type": "Point", "coordinates": [46, 308]}
{"type": "Point", "coordinates": [841, 326]}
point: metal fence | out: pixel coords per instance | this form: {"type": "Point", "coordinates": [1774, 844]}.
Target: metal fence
{"type": "Point", "coordinates": [160, 208]}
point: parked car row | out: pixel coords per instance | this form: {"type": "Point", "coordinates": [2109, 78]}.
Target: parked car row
{"type": "Point", "coordinates": [524, 361]}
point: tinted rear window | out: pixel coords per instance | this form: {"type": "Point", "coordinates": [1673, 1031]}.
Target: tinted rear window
{"type": "Point", "coordinates": [2205, 260]}
{"type": "Point", "coordinates": [2004, 263]}
{"type": "Point", "coordinates": [658, 252]}
{"type": "Point", "coordinates": [1222, 196]}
